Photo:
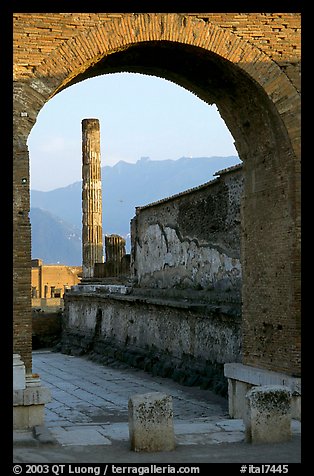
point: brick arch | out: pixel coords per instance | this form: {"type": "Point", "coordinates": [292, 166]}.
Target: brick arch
{"type": "Point", "coordinates": [270, 252]}
{"type": "Point", "coordinates": [82, 51]}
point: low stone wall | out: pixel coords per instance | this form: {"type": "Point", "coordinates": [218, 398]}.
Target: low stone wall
{"type": "Point", "coordinates": [186, 341]}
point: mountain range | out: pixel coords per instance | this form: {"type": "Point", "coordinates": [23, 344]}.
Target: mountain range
{"type": "Point", "coordinates": [56, 216]}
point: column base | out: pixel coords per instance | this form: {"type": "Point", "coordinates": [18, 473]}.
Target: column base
{"type": "Point", "coordinates": [29, 404]}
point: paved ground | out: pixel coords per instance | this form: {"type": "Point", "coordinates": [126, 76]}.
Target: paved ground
{"type": "Point", "coordinates": [87, 420]}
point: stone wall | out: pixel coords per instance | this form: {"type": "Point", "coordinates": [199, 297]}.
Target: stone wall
{"type": "Point", "coordinates": [49, 277]}
{"type": "Point", "coordinates": [186, 341]}
{"type": "Point", "coordinates": [182, 316]}
{"type": "Point", "coordinates": [191, 240]}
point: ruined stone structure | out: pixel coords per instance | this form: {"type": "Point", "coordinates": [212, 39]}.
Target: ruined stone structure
{"type": "Point", "coordinates": [117, 263]}
{"type": "Point", "coordinates": [114, 247]}
{"type": "Point", "coordinates": [179, 314]}
{"type": "Point", "coordinates": [91, 197]}
{"type": "Point", "coordinates": [50, 281]}
{"type": "Point", "coordinates": [248, 64]}
{"type": "Point", "coordinates": [173, 337]}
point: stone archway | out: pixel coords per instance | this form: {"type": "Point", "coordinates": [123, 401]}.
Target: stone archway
{"type": "Point", "coordinates": [260, 104]}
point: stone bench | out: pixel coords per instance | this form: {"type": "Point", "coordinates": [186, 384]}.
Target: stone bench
{"type": "Point", "coordinates": [268, 418]}
{"type": "Point", "coordinates": [241, 378]}
{"type": "Point", "coordinates": [151, 422]}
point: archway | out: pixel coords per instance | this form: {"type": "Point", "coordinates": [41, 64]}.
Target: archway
{"type": "Point", "coordinates": [139, 114]}
{"type": "Point", "coordinates": [259, 105]}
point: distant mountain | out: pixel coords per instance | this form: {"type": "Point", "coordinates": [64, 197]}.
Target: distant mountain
{"type": "Point", "coordinates": [124, 187]}
{"type": "Point", "coordinates": [54, 240]}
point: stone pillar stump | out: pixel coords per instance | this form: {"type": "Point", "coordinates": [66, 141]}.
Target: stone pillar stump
{"type": "Point", "coordinates": [151, 422]}
{"type": "Point", "coordinates": [268, 418]}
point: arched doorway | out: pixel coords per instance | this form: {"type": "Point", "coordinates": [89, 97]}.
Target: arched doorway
{"type": "Point", "coordinates": [260, 106]}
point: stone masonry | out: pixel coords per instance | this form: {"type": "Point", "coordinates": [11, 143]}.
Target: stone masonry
{"type": "Point", "coordinates": [191, 241]}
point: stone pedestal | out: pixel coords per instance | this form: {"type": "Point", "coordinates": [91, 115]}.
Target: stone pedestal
{"type": "Point", "coordinates": [29, 397]}
{"type": "Point", "coordinates": [242, 378]}
{"type": "Point", "coordinates": [18, 373]}
{"type": "Point", "coordinates": [151, 422]}
{"type": "Point", "coordinates": [268, 418]}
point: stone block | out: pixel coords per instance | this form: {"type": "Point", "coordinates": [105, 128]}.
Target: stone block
{"type": "Point", "coordinates": [31, 396]}
{"type": "Point", "coordinates": [151, 422]}
{"type": "Point", "coordinates": [18, 373]}
{"type": "Point", "coordinates": [268, 417]}
{"type": "Point", "coordinates": [28, 416]}
{"type": "Point", "coordinates": [18, 397]}
{"type": "Point", "coordinates": [29, 404]}
{"type": "Point", "coordinates": [37, 396]}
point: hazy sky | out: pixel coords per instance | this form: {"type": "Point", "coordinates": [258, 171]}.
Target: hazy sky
{"type": "Point", "coordinates": [140, 116]}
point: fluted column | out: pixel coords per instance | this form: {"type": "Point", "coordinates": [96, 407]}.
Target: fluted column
{"type": "Point", "coordinates": [91, 197]}
{"type": "Point", "coordinates": [115, 250]}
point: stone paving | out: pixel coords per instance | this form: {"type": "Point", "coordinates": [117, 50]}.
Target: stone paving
{"type": "Point", "coordinates": [90, 403]}
{"type": "Point", "coordinates": [89, 409]}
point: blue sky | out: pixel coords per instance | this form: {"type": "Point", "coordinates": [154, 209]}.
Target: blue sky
{"type": "Point", "coordinates": [140, 116]}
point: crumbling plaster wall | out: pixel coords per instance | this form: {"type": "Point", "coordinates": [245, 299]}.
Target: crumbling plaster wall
{"type": "Point", "coordinates": [191, 240]}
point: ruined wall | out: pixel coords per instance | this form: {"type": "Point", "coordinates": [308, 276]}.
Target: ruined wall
{"type": "Point", "coordinates": [53, 275]}
{"type": "Point", "coordinates": [191, 240]}
{"type": "Point", "coordinates": [171, 338]}
{"type": "Point", "coordinates": [47, 304]}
